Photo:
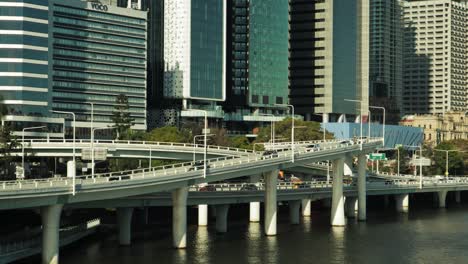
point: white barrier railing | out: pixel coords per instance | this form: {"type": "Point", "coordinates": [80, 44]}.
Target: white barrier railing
{"type": "Point", "coordinates": [173, 169]}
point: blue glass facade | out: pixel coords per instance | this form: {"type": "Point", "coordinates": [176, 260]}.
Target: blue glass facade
{"type": "Point", "coordinates": [206, 66]}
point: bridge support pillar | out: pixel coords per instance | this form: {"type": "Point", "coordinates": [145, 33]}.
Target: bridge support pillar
{"type": "Point", "coordinates": [124, 220]}
{"type": "Point", "coordinates": [294, 207]}
{"type": "Point", "coordinates": [337, 210]}
{"type": "Point", "coordinates": [442, 195]}
{"type": "Point", "coordinates": [348, 165]}
{"type": "Point", "coordinates": [361, 184]}
{"type": "Point", "coordinates": [254, 212]}
{"type": "Point", "coordinates": [457, 197]}
{"type": "Point", "coordinates": [179, 217]}
{"type": "Point", "coordinates": [221, 217]}
{"type": "Point", "coordinates": [50, 233]}
{"type": "Point", "coordinates": [402, 203]}
{"type": "Point", "coordinates": [202, 214]}
{"type": "Point", "coordinates": [306, 204]}
{"type": "Point", "coordinates": [351, 205]}
{"type": "Point", "coordinates": [270, 179]}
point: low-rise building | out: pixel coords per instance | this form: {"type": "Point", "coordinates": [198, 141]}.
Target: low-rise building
{"type": "Point", "coordinates": [438, 128]}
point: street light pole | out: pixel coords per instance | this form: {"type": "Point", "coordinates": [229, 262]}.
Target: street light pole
{"type": "Point", "coordinates": [194, 140]}
{"type": "Point", "coordinates": [74, 144]}
{"type": "Point", "coordinates": [292, 128]}
{"type": "Point", "coordinates": [360, 118]}
{"type": "Point", "coordinates": [92, 146]}
{"type": "Point", "coordinates": [22, 147]}
{"type": "Point", "coordinates": [383, 121]}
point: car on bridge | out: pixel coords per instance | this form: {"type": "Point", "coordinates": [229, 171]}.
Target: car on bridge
{"type": "Point", "coordinates": [312, 147]}
{"type": "Point", "coordinates": [270, 153]}
{"type": "Point", "coordinates": [249, 187]}
{"type": "Point", "coordinates": [199, 165]}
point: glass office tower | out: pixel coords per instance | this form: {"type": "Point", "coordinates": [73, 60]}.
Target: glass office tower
{"type": "Point", "coordinates": [257, 61]}
{"type": "Point", "coordinates": [194, 51]}
{"type": "Point", "coordinates": [24, 62]}
{"type": "Point", "coordinates": [98, 52]}
{"type": "Point", "coordinates": [73, 56]}
{"type": "Point", "coordinates": [334, 52]}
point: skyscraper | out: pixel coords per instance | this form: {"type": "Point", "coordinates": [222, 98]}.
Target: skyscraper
{"type": "Point", "coordinates": [329, 57]}
{"type": "Point", "coordinates": [257, 62]}
{"type": "Point", "coordinates": [386, 58]}
{"type": "Point", "coordinates": [435, 56]}
{"type": "Point", "coordinates": [194, 54]}
{"type": "Point", "coordinates": [72, 56]}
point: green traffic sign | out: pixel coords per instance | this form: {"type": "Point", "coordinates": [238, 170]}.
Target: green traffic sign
{"type": "Point", "coordinates": [377, 156]}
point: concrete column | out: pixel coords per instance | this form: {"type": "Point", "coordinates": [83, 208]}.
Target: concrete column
{"type": "Point", "coordinates": [179, 217]}
{"type": "Point", "coordinates": [202, 214]}
{"type": "Point", "coordinates": [124, 220]}
{"type": "Point", "coordinates": [254, 212]}
{"type": "Point", "coordinates": [442, 195]}
{"type": "Point", "coordinates": [351, 204]}
{"type": "Point", "coordinates": [402, 203]}
{"type": "Point", "coordinates": [294, 207]}
{"type": "Point", "coordinates": [457, 197]}
{"type": "Point", "coordinates": [221, 217]}
{"type": "Point", "coordinates": [327, 203]}
{"type": "Point", "coordinates": [386, 200]}
{"type": "Point", "coordinates": [361, 184]}
{"type": "Point", "coordinates": [50, 233]}
{"type": "Point", "coordinates": [306, 204]}
{"type": "Point", "coordinates": [145, 215]}
{"type": "Point", "coordinates": [337, 210]}
{"type": "Point", "coordinates": [270, 179]}
{"type": "Point", "coordinates": [348, 165]}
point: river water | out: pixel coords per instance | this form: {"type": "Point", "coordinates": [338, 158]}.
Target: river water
{"type": "Point", "coordinates": [424, 235]}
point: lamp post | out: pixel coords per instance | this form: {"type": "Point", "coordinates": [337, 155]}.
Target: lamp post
{"type": "Point", "coordinates": [292, 128]}
{"type": "Point", "coordinates": [92, 146]}
{"type": "Point", "coordinates": [446, 158]}
{"type": "Point", "coordinates": [383, 122]}
{"type": "Point", "coordinates": [272, 126]}
{"type": "Point", "coordinates": [74, 143]}
{"type": "Point", "coordinates": [324, 138]}
{"type": "Point", "coordinates": [22, 146]}
{"type": "Point", "coordinates": [205, 132]}
{"type": "Point", "coordinates": [360, 119]}
{"type": "Point", "coordinates": [420, 164]}
{"type": "Point", "coordinates": [194, 139]}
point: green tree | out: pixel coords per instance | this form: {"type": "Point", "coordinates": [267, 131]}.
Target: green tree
{"type": "Point", "coordinates": [7, 144]}
{"type": "Point", "coordinates": [304, 131]}
{"type": "Point", "coordinates": [455, 158]}
{"type": "Point", "coordinates": [241, 142]}
{"type": "Point", "coordinates": [169, 134]}
{"type": "Point", "coordinates": [121, 117]}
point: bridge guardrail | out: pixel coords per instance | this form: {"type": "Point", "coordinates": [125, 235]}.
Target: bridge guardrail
{"type": "Point", "coordinates": [173, 169]}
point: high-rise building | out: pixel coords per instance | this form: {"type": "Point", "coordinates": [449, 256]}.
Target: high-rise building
{"type": "Point", "coordinates": [435, 56]}
{"type": "Point", "coordinates": [329, 57]}
{"type": "Point", "coordinates": [72, 56]}
{"type": "Point", "coordinates": [194, 55]}
{"type": "Point", "coordinates": [24, 65]}
{"type": "Point", "coordinates": [257, 62]}
{"type": "Point", "coordinates": [386, 58]}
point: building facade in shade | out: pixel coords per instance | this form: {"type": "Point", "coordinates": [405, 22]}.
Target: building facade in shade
{"type": "Point", "coordinates": [386, 58]}
{"type": "Point", "coordinates": [194, 54]}
{"type": "Point", "coordinates": [73, 56]}
{"type": "Point", "coordinates": [98, 52]}
{"type": "Point", "coordinates": [329, 57]}
{"type": "Point", "coordinates": [24, 65]}
{"type": "Point", "coordinates": [435, 56]}
{"type": "Point", "coordinates": [257, 61]}
{"type": "Point", "coordinates": [155, 52]}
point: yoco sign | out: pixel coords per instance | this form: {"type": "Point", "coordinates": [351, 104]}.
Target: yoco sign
{"type": "Point", "coordinates": [99, 6]}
